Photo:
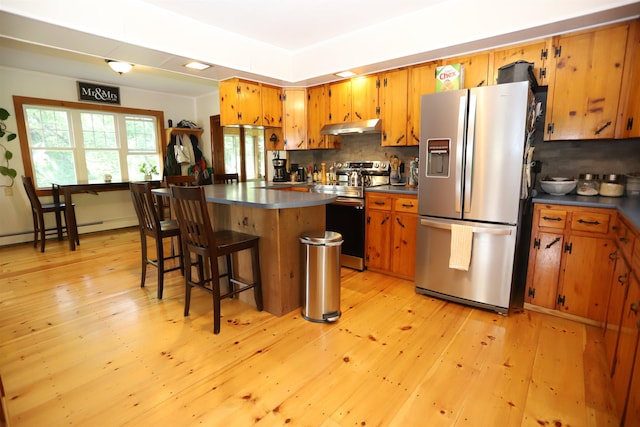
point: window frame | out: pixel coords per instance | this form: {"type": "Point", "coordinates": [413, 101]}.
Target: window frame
{"type": "Point", "coordinates": [20, 101]}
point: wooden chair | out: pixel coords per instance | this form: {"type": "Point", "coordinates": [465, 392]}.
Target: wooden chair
{"type": "Point", "coordinates": [151, 226]}
{"type": "Point", "coordinates": [183, 180]}
{"type": "Point", "coordinates": [38, 210]}
{"type": "Point", "coordinates": [199, 240]}
{"type": "Point", "coordinates": [225, 178]}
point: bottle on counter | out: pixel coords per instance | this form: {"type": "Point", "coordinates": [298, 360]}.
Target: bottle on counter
{"type": "Point", "coordinates": [315, 173]}
{"type": "Point", "coordinates": [323, 173]}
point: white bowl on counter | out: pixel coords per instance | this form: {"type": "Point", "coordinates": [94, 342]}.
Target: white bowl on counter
{"type": "Point", "coordinates": [558, 187]}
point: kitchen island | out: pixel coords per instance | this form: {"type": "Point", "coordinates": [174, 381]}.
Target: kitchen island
{"type": "Point", "coordinates": [279, 218]}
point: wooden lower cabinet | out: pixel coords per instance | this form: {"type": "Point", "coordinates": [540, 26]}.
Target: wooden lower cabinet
{"type": "Point", "coordinates": [632, 411]}
{"type": "Point", "coordinates": [390, 233]}
{"type": "Point", "coordinates": [627, 344]}
{"type": "Point", "coordinates": [617, 297]}
{"type": "Point", "coordinates": [571, 259]}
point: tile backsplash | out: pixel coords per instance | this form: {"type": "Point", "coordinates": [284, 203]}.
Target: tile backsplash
{"type": "Point", "coordinates": [559, 158]}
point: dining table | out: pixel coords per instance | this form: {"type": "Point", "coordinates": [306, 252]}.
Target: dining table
{"type": "Point", "coordinates": [67, 190]}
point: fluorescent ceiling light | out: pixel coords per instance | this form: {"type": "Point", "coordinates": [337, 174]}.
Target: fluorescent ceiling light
{"type": "Point", "coordinates": [119, 67]}
{"type": "Point", "coordinates": [197, 65]}
{"type": "Point", "coordinates": [346, 74]}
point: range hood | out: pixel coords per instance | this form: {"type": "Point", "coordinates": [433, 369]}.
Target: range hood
{"type": "Point", "coordinates": [361, 126]}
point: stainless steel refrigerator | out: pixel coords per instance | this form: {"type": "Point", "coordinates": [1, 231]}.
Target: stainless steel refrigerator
{"type": "Point", "coordinates": [474, 184]}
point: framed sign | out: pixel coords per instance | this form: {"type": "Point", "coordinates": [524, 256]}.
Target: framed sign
{"type": "Point", "coordinates": [98, 93]}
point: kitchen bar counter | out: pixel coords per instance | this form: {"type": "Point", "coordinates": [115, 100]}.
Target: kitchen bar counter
{"type": "Point", "coordinates": [628, 206]}
{"type": "Point", "coordinates": [279, 218]}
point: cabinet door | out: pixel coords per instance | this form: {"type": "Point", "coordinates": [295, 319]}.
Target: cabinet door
{"type": "Point", "coordinates": [588, 268]}
{"type": "Point", "coordinates": [536, 52]}
{"type": "Point", "coordinates": [295, 119]}
{"type": "Point", "coordinates": [340, 102]}
{"type": "Point", "coordinates": [403, 255]}
{"type": "Point", "coordinates": [476, 69]}
{"type": "Point", "coordinates": [271, 106]}
{"type": "Point", "coordinates": [632, 413]}
{"type": "Point", "coordinates": [394, 108]}
{"type": "Point", "coordinates": [315, 116]}
{"type": "Point", "coordinates": [249, 103]}
{"type": "Point", "coordinates": [422, 80]}
{"type": "Point", "coordinates": [364, 98]}
{"type": "Point", "coordinates": [545, 256]}
{"type": "Point", "coordinates": [626, 345]}
{"type": "Point", "coordinates": [378, 232]}
{"type": "Point", "coordinates": [618, 293]}
{"type": "Point", "coordinates": [228, 102]}
{"type": "Point", "coordinates": [629, 118]}
{"type": "Point", "coordinates": [584, 94]}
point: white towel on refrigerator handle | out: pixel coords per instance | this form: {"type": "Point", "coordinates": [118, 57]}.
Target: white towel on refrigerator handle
{"type": "Point", "coordinates": [461, 242]}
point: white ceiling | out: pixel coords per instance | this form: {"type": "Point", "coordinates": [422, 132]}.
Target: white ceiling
{"type": "Point", "coordinates": [283, 42]}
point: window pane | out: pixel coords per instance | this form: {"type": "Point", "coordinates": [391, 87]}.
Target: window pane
{"type": "Point", "coordinates": [254, 153]}
{"type": "Point", "coordinates": [53, 166]}
{"type": "Point", "coordinates": [232, 150]}
{"type": "Point", "coordinates": [47, 128]}
{"type": "Point", "coordinates": [98, 130]}
{"type": "Point", "coordinates": [100, 163]}
{"type": "Point", "coordinates": [134, 161]}
{"type": "Point", "coordinates": [141, 133]}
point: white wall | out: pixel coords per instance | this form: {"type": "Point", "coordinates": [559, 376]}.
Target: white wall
{"type": "Point", "coordinates": [94, 213]}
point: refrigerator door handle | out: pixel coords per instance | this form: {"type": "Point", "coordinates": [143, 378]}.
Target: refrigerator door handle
{"type": "Point", "coordinates": [462, 112]}
{"type": "Point", "coordinates": [471, 135]}
{"type": "Point", "coordinates": [479, 230]}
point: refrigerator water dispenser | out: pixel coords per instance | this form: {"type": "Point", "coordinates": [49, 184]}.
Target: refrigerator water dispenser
{"type": "Point", "coordinates": [438, 157]}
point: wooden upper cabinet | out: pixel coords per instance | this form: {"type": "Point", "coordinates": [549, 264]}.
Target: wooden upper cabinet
{"type": "Point", "coordinates": [393, 112]}
{"type": "Point", "coordinates": [339, 94]}
{"type": "Point", "coordinates": [240, 102]}
{"type": "Point", "coordinates": [628, 125]}
{"type": "Point", "coordinates": [271, 106]}
{"type": "Point", "coordinates": [536, 52]}
{"type": "Point", "coordinates": [295, 119]}
{"type": "Point", "coordinates": [364, 97]}
{"type": "Point", "coordinates": [315, 116]}
{"type": "Point", "coordinates": [585, 90]}
{"type": "Point", "coordinates": [421, 81]}
{"type": "Point", "coordinates": [476, 68]}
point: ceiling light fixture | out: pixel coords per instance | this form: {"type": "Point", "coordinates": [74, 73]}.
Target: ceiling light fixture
{"type": "Point", "coordinates": [118, 66]}
{"type": "Point", "coordinates": [197, 65]}
{"type": "Point", "coordinates": [346, 74]}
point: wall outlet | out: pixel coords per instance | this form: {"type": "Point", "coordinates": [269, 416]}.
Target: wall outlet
{"type": "Point", "coordinates": [8, 191]}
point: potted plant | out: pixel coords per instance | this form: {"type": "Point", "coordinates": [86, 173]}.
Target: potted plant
{"type": "Point", "coordinates": [5, 170]}
{"type": "Point", "coordinates": [148, 170]}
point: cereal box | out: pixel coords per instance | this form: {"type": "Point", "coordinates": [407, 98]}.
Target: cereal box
{"type": "Point", "coordinates": [449, 77]}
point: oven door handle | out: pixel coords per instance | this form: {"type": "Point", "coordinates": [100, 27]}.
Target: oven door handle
{"type": "Point", "coordinates": [346, 201]}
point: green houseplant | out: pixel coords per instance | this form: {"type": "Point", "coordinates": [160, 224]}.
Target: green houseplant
{"type": "Point", "coordinates": [148, 170]}
{"type": "Point", "coordinates": [5, 170]}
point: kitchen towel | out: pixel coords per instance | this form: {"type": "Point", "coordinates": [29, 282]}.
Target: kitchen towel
{"type": "Point", "coordinates": [461, 242]}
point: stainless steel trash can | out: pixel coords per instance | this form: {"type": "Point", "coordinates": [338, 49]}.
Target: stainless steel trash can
{"type": "Point", "coordinates": [322, 276]}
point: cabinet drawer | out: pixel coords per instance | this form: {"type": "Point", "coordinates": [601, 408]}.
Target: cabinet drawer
{"type": "Point", "coordinates": [590, 221]}
{"type": "Point", "coordinates": [552, 218]}
{"type": "Point", "coordinates": [379, 202]}
{"type": "Point", "coordinates": [406, 204]}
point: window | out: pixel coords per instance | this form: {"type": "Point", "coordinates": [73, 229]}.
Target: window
{"type": "Point", "coordinates": [244, 147]}
{"type": "Point", "coordinates": [73, 142]}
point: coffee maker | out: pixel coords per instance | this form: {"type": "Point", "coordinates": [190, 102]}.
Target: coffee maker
{"type": "Point", "coordinates": [280, 170]}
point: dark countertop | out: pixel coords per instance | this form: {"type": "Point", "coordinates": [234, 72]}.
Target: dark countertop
{"type": "Point", "coordinates": [628, 206]}
{"type": "Point", "coordinates": [254, 195]}
{"type": "Point", "coordinates": [395, 189]}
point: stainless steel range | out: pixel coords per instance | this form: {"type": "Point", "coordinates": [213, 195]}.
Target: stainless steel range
{"type": "Point", "coordinates": [346, 215]}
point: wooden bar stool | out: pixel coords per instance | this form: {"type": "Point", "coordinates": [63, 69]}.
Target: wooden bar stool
{"type": "Point", "coordinates": [151, 225]}
{"type": "Point", "coordinates": [38, 210]}
{"type": "Point", "coordinates": [199, 240]}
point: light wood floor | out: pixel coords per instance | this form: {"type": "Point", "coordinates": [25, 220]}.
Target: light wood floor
{"type": "Point", "coordinates": [82, 344]}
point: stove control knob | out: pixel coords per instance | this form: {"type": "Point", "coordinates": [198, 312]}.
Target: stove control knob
{"type": "Point", "coordinates": [375, 165]}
